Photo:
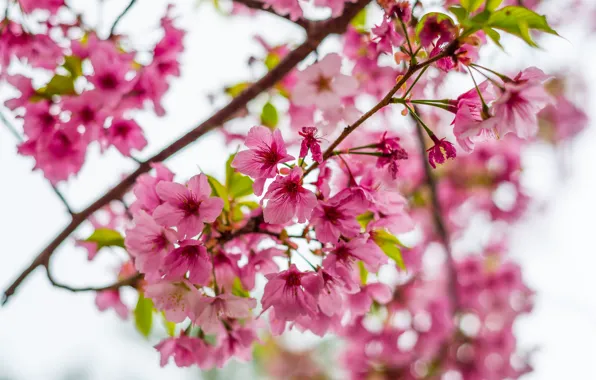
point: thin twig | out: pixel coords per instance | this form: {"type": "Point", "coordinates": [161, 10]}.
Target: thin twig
{"type": "Point", "coordinates": [18, 136]}
{"type": "Point", "coordinates": [319, 31]}
{"type": "Point", "coordinates": [438, 217]}
{"type": "Point", "coordinates": [120, 16]}
{"type": "Point", "coordinates": [129, 281]}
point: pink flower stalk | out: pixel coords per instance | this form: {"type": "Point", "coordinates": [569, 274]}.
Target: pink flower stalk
{"type": "Point", "coordinates": [392, 154]}
{"type": "Point", "coordinates": [175, 299]}
{"type": "Point", "coordinates": [149, 242]}
{"type": "Point", "coordinates": [517, 106]}
{"type": "Point", "coordinates": [386, 36]}
{"type": "Point", "coordinates": [145, 190]}
{"type": "Point", "coordinates": [292, 293]}
{"type": "Point", "coordinates": [192, 258]}
{"type": "Point", "coordinates": [110, 299]}
{"type": "Point", "coordinates": [266, 150]}
{"type": "Point", "coordinates": [439, 152]}
{"type": "Point", "coordinates": [187, 207]}
{"type": "Point", "coordinates": [185, 350]}
{"type": "Point", "coordinates": [322, 84]}
{"type": "Point", "coordinates": [208, 311]}
{"type": "Point", "coordinates": [337, 217]}
{"type": "Point", "coordinates": [126, 135]}
{"type": "Point", "coordinates": [286, 198]}
{"type": "Point", "coordinates": [434, 29]}
{"type": "Point", "coordinates": [310, 141]}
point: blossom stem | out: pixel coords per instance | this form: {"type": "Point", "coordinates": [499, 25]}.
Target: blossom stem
{"type": "Point", "coordinates": [305, 259]}
{"type": "Point", "coordinates": [129, 281]}
{"type": "Point", "coordinates": [504, 78]}
{"type": "Point", "coordinates": [364, 147]}
{"type": "Point", "coordinates": [352, 179]}
{"type": "Point", "coordinates": [349, 151]}
{"type": "Point", "coordinates": [484, 105]}
{"type": "Point", "coordinates": [487, 77]}
{"type": "Point", "coordinates": [443, 103]}
{"type": "Point", "coordinates": [18, 136]}
{"type": "Point", "coordinates": [120, 17]}
{"type": "Point", "coordinates": [410, 50]}
{"type": "Point", "coordinates": [415, 81]}
{"type": "Point", "coordinates": [421, 123]}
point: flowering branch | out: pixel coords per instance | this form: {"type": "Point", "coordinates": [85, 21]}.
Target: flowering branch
{"type": "Point", "coordinates": [318, 33]}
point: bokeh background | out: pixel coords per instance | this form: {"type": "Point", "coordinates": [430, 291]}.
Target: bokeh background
{"type": "Point", "coordinates": [48, 333]}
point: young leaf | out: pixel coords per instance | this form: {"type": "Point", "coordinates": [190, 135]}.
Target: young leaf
{"type": "Point", "coordinates": [74, 65]}
{"type": "Point", "coordinates": [494, 36]}
{"type": "Point", "coordinates": [238, 185]}
{"type": "Point", "coordinates": [269, 117]}
{"type": "Point", "coordinates": [471, 5]}
{"type": "Point", "coordinates": [359, 21]}
{"type": "Point", "coordinates": [390, 245]}
{"type": "Point", "coordinates": [491, 5]}
{"type": "Point", "coordinates": [143, 315]}
{"type": "Point", "coordinates": [58, 85]}
{"type": "Point", "coordinates": [105, 237]}
{"type": "Point", "coordinates": [169, 326]}
{"type": "Point", "coordinates": [363, 273]}
{"type": "Point", "coordinates": [238, 289]}
{"type": "Point", "coordinates": [460, 13]}
{"type": "Point", "coordinates": [236, 89]}
{"type": "Point", "coordinates": [220, 191]}
{"type": "Point", "coordinates": [519, 21]}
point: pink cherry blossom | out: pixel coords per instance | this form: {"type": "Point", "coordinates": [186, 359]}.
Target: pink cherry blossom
{"type": "Point", "coordinates": [337, 217]}
{"type": "Point", "coordinates": [286, 198]}
{"type": "Point", "coordinates": [185, 350]}
{"type": "Point", "coordinates": [341, 259]}
{"type": "Point", "coordinates": [323, 85]}
{"type": "Point", "coordinates": [148, 243]}
{"type": "Point", "coordinates": [208, 310]}
{"type": "Point", "coordinates": [473, 121]}
{"type": "Point", "coordinates": [441, 151]}
{"type": "Point", "coordinates": [176, 299]}
{"type": "Point", "coordinates": [110, 70]}
{"type": "Point", "coordinates": [192, 258]}
{"type": "Point", "coordinates": [435, 28]}
{"type": "Point", "coordinates": [110, 299]}
{"type": "Point", "coordinates": [290, 8]}
{"type": "Point", "coordinates": [49, 5]}
{"type": "Point", "coordinates": [310, 141]}
{"type": "Point", "coordinates": [126, 135]}
{"type": "Point", "coordinates": [291, 293]}
{"type": "Point", "coordinates": [386, 36]}
{"type": "Point", "coordinates": [145, 190]}
{"type": "Point", "coordinates": [392, 154]}
{"type": "Point", "coordinates": [24, 86]}
{"type": "Point", "coordinates": [267, 149]}
{"type": "Point", "coordinates": [236, 342]}
{"type": "Point", "coordinates": [187, 207]}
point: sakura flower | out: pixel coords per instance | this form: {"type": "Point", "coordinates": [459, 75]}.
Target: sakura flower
{"type": "Point", "coordinates": [392, 154]}
{"type": "Point", "coordinates": [517, 106]}
{"type": "Point", "coordinates": [310, 141]}
{"type": "Point", "coordinates": [86, 110]}
{"type": "Point", "coordinates": [291, 293]}
{"type": "Point", "coordinates": [386, 36]}
{"type": "Point", "coordinates": [24, 86]}
{"type": "Point", "coordinates": [323, 85]}
{"type": "Point", "coordinates": [473, 121]}
{"type": "Point", "coordinates": [266, 150]}
{"type": "Point", "coordinates": [286, 198]}
{"type": "Point", "coordinates": [126, 135]}
{"type": "Point", "coordinates": [342, 258]}
{"type": "Point", "coordinates": [175, 299]}
{"type": "Point", "coordinates": [110, 69]}
{"type": "Point", "coordinates": [39, 120]}
{"type": "Point", "coordinates": [192, 258]}
{"type": "Point", "coordinates": [332, 295]}
{"type": "Point", "coordinates": [50, 5]}
{"type": "Point", "coordinates": [337, 217]}
{"type": "Point", "coordinates": [110, 299]}
{"type": "Point", "coordinates": [145, 190]}
{"type": "Point", "coordinates": [148, 243]}
{"type": "Point", "coordinates": [439, 152]}
{"type": "Point", "coordinates": [208, 310]}
{"type": "Point", "coordinates": [400, 9]}
{"type": "Point", "coordinates": [185, 350]}
{"type": "Point", "coordinates": [237, 342]}
{"type": "Point", "coordinates": [361, 302]}
{"type": "Point", "coordinates": [436, 27]}
{"type": "Point", "coordinates": [187, 208]}
{"type": "Point", "coordinates": [259, 261]}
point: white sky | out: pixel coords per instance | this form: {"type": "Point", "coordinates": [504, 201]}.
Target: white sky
{"type": "Point", "coordinates": [48, 333]}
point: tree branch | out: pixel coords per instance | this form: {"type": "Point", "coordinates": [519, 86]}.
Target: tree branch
{"type": "Point", "coordinates": [318, 32]}
{"type": "Point", "coordinates": [258, 5]}
{"type": "Point", "coordinates": [120, 16]}
{"type": "Point", "coordinates": [129, 281]}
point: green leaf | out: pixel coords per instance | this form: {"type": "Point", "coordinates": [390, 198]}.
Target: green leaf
{"type": "Point", "coordinates": [363, 273]}
{"type": "Point", "coordinates": [439, 17]}
{"type": "Point", "coordinates": [220, 191]}
{"type": "Point", "coordinates": [365, 218]}
{"type": "Point", "coordinates": [168, 325]}
{"type": "Point", "coordinates": [269, 117]}
{"type": "Point", "coordinates": [519, 21]}
{"type": "Point", "coordinates": [238, 289]}
{"type": "Point", "coordinates": [237, 89]}
{"type": "Point", "coordinates": [74, 65]}
{"type": "Point", "coordinates": [390, 245]}
{"type": "Point", "coordinates": [471, 5]}
{"type": "Point", "coordinates": [238, 185]}
{"type": "Point", "coordinates": [272, 60]}
{"type": "Point", "coordinates": [359, 21]}
{"type": "Point", "coordinates": [460, 13]}
{"type": "Point", "coordinates": [105, 237]}
{"type": "Point", "coordinates": [143, 315]}
{"type": "Point", "coordinates": [250, 204]}
{"type": "Point", "coordinates": [491, 5]}
{"type": "Point", "coordinates": [494, 36]}
{"type": "Point", "coordinates": [58, 85]}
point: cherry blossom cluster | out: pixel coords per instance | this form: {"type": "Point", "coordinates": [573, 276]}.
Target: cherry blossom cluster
{"type": "Point", "coordinates": [333, 217]}
{"type": "Point", "coordinates": [94, 86]}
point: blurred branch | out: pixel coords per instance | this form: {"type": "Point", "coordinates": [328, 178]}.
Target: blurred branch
{"type": "Point", "coordinates": [129, 281]}
{"type": "Point", "coordinates": [438, 217]}
{"type": "Point", "coordinates": [120, 16]}
{"type": "Point", "coordinates": [18, 136]}
{"type": "Point", "coordinates": [258, 5]}
{"type": "Point", "coordinates": [317, 33]}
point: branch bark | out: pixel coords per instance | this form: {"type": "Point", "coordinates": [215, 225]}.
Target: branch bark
{"type": "Point", "coordinates": [317, 33]}
{"type": "Point", "coordinates": [260, 6]}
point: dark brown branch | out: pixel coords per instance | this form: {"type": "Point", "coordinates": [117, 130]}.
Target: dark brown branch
{"type": "Point", "coordinates": [129, 281]}
{"type": "Point", "coordinates": [259, 5]}
{"type": "Point", "coordinates": [319, 31]}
